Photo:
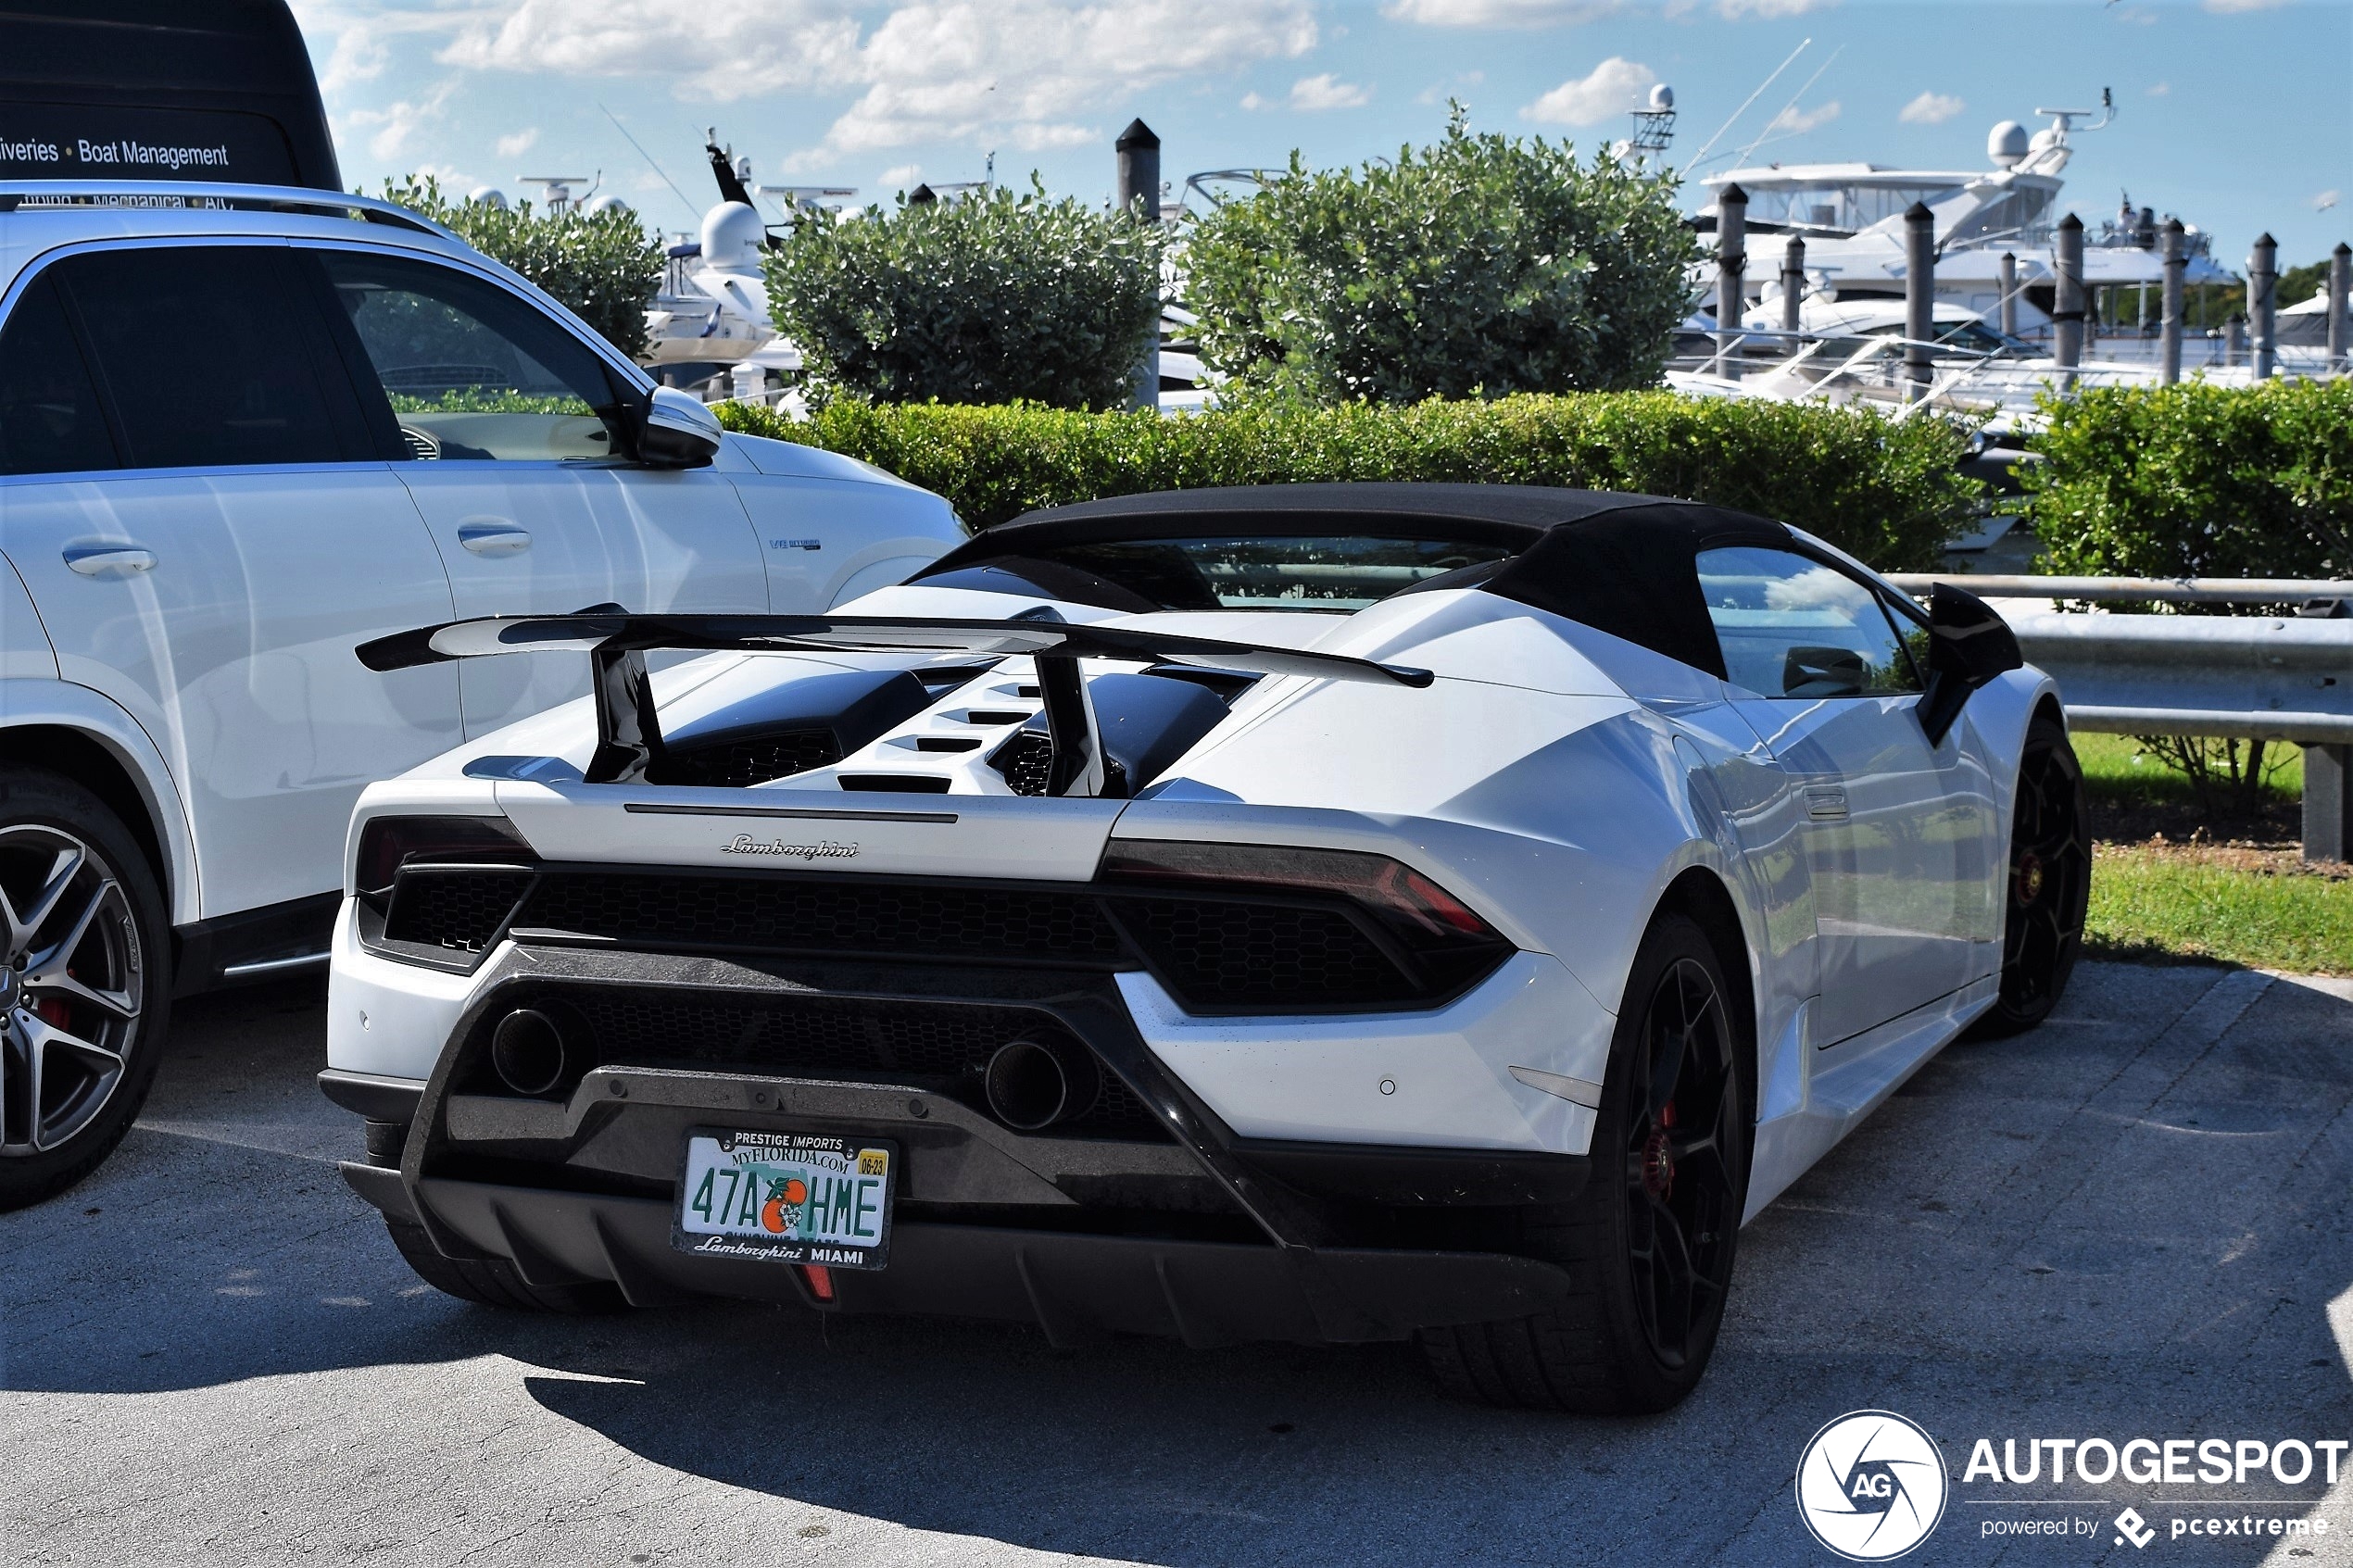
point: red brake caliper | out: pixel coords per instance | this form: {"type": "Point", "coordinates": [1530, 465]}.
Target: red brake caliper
{"type": "Point", "coordinates": [1658, 1158]}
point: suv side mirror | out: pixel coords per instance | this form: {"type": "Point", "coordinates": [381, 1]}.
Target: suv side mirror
{"type": "Point", "coordinates": [1968, 645]}
{"type": "Point", "coordinates": [677, 432]}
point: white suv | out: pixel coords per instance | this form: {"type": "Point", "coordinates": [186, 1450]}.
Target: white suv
{"type": "Point", "coordinates": [242, 430]}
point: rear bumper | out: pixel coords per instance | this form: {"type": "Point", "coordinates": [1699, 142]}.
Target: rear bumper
{"type": "Point", "coordinates": [1164, 1222]}
{"type": "Point", "coordinates": [1072, 1286]}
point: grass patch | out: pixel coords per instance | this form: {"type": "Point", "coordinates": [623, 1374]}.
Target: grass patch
{"type": "Point", "coordinates": [2135, 798]}
{"type": "Point", "coordinates": [2232, 904]}
{"type": "Point", "coordinates": [2171, 879]}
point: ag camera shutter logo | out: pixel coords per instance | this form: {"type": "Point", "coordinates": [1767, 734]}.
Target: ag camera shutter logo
{"type": "Point", "coordinates": [1871, 1486]}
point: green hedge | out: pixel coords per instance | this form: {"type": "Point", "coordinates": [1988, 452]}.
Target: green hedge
{"type": "Point", "coordinates": [990, 298]}
{"type": "Point", "coordinates": [1887, 491]}
{"type": "Point", "coordinates": [1472, 268]}
{"type": "Point", "coordinates": [2198, 481]}
{"type": "Point", "coordinates": [603, 266]}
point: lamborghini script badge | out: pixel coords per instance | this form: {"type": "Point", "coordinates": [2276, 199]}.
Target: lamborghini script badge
{"type": "Point", "coordinates": [743, 844]}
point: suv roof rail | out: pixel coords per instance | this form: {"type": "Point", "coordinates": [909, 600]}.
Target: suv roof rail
{"type": "Point", "coordinates": [39, 194]}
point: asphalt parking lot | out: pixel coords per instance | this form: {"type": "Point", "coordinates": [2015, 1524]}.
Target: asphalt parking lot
{"type": "Point", "coordinates": [2132, 1222]}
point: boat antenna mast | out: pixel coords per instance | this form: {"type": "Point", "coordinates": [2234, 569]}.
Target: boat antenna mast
{"type": "Point", "coordinates": [1654, 125]}
{"type": "Point", "coordinates": [2054, 141]}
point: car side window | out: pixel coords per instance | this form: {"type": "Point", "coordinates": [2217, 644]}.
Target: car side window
{"type": "Point", "coordinates": [470, 370]}
{"type": "Point", "coordinates": [50, 419]}
{"type": "Point", "coordinates": [1792, 627]}
{"type": "Point", "coordinates": [204, 355]}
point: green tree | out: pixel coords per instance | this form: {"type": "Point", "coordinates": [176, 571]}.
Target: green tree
{"type": "Point", "coordinates": [2200, 480]}
{"type": "Point", "coordinates": [994, 298]}
{"type": "Point", "coordinates": [603, 266]}
{"type": "Point", "coordinates": [1479, 267]}
{"type": "Point", "coordinates": [2301, 283]}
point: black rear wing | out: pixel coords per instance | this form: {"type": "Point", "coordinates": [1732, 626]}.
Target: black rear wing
{"type": "Point", "coordinates": [629, 731]}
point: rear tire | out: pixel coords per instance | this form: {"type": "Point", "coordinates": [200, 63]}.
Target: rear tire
{"type": "Point", "coordinates": [2049, 888]}
{"type": "Point", "coordinates": [493, 1282]}
{"type": "Point", "coordinates": [1649, 1243]}
{"type": "Point", "coordinates": [85, 983]}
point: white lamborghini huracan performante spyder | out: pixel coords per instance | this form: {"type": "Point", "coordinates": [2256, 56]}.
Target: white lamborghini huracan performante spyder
{"type": "Point", "coordinates": [1321, 913]}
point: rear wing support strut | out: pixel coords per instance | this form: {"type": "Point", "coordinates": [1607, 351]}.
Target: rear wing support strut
{"type": "Point", "coordinates": [629, 725]}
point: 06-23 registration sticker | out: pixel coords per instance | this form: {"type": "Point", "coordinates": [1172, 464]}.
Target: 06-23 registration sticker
{"type": "Point", "coordinates": [792, 1198]}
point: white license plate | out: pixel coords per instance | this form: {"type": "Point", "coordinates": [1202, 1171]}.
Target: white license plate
{"type": "Point", "coordinates": [796, 1198]}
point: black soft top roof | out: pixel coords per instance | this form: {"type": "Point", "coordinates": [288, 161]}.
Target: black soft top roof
{"type": "Point", "coordinates": [1620, 563]}
{"type": "Point", "coordinates": [218, 90]}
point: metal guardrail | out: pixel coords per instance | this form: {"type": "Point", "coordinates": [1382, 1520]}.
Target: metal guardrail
{"type": "Point", "coordinates": [2252, 677]}
{"type": "Point", "coordinates": [2248, 677]}
{"type": "Point", "coordinates": [2134, 590]}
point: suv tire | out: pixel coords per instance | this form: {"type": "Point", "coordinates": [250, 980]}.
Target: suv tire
{"type": "Point", "coordinates": [85, 983]}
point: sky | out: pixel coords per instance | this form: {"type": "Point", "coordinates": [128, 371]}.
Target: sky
{"type": "Point", "coordinates": [2236, 115]}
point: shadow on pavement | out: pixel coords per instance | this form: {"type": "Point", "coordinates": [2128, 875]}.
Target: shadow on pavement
{"type": "Point", "coordinates": [2132, 1222]}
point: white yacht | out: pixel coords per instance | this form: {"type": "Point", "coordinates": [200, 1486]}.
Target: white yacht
{"type": "Point", "coordinates": [1851, 216]}
{"type": "Point", "coordinates": [710, 321]}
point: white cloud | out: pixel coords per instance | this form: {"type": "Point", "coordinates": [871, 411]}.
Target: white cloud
{"type": "Point", "coordinates": [2227, 7]}
{"type": "Point", "coordinates": [519, 143]}
{"type": "Point", "coordinates": [351, 41]}
{"type": "Point", "coordinates": [718, 53]}
{"type": "Point", "coordinates": [899, 177]}
{"type": "Point", "coordinates": [1733, 11]}
{"type": "Point", "coordinates": [1028, 70]}
{"type": "Point", "coordinates": [1498, 13]}
{"type": "Point", "coordinates": [1795, 121]}
{"type": "Point", "coordinates": [1930, 109]}
{"type": "Point", "coordinates": [1615, 86]}
{"type": "Point", "coordinates": [1023, 73]}
{"type": "Point", "coordinates": [2161, 89]}
{"type": "Point", "coordinates": [395, 124]}
{"type": "Point", "coordinates": [1312, 95]}
{"type": "Point", "coordinates": [1254, 102]}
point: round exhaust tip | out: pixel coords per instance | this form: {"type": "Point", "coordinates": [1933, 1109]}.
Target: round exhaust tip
{"type": "Point", "coordinates": [527, 1052]}
{"type": "Point", "coordinates": [1028, 1086]}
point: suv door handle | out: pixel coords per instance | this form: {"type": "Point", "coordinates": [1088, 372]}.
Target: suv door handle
{"type": "Point", "coordinates": [109, 560]}
{"type": "Point", "coordinates": [493, 536]}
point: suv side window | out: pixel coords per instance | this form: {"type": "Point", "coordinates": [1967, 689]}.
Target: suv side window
{"type": "Point", "coordinates": [205, 356]}
{"type": "Point", "coordinates": [470, 370]}
{"type": "Point", "coordinates": [1792, 627]}
{"type": "Point", "coordinates": [50, 419]}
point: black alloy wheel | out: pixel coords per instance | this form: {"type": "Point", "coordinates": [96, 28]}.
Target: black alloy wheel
{"type": "Point", "coordinates": [1682, 1198]}
{"type": "Point", "coordinates": [2049, 886]}
{"type": "Point", "coordinates": [1648, 1245]}
{"type": "Point", "coordinates": [84, 991]}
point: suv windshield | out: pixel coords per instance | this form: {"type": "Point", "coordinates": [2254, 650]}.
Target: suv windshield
{"type": "Point", "coordinates": [1338, 572]}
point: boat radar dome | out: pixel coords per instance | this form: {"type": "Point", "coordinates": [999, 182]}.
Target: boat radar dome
{"type": "Point", "coordinates": [1662, 98]}
{"type": "Point", "coordinates": [732, 237]}
{"type": "Point", "coordinates": [2007, 145]}
{"type": "Point", "coordinates": [597, 205]}
{"type": "Point", "coordinates": [489, 196]}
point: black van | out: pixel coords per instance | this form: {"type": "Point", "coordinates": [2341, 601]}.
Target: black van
{"type": "Point", "coordinates": [215, 90]}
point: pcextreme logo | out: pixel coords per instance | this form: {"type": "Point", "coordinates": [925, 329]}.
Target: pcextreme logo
{"type": "Point", "coordinates": [1871, 1486]}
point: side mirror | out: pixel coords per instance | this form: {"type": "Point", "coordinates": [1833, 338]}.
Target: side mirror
{"type": "Point", "coordinates": [1968, 645]}
{"type": "Point", "coordinates": [677, 432]}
